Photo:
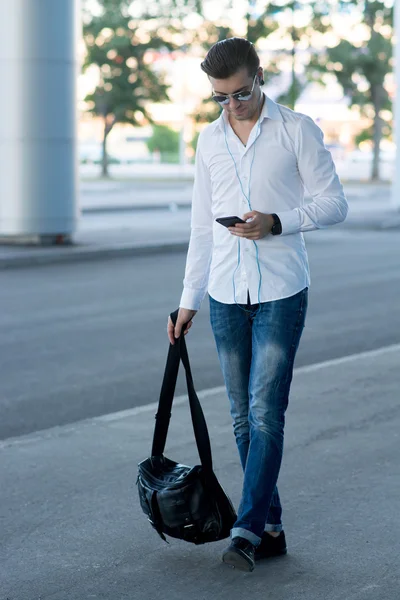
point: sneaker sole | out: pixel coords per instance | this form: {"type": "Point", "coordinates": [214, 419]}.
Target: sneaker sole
{"type": "Point", "coordinates": [237, 561]}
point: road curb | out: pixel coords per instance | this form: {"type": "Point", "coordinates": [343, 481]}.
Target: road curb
{"type": "Point", "coordinates": [72, 254]}
{"type": "Point", "coordinates": [122, 208]}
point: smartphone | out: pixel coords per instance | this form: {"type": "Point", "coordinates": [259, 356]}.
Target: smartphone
{"type": "Point", "coordinates": [229, 221]}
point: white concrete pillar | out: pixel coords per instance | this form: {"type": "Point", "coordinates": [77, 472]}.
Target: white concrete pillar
{"type": "Point", "coordinates": [38, 107]}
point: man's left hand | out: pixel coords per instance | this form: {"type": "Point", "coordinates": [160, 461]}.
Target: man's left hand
{"type": "Point", "coordinates": [259, 226]}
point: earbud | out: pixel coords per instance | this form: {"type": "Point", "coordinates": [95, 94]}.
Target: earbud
{"type": "Point", "coordinates": [261, 80]}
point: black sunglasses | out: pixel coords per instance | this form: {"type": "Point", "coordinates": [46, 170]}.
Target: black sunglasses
{"type": "Point", "coordinates": [240, 96]}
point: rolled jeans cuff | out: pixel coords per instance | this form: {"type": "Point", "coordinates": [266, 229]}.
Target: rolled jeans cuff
{"type": "Point", "coordinates": [273, 527]}
{"type": "Point", "coordinates": [246, 534]}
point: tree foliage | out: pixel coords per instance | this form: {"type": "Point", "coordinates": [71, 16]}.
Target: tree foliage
{"type": "Point", "coordinates": [164, 140]}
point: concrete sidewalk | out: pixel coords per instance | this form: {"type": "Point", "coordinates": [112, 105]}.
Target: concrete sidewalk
{"type": "Point", "coordinates": [111, 226]}
{"type": "Point", "coordinates": [72, 528]}
{"type": "Point", "coordinates": [109, 235]}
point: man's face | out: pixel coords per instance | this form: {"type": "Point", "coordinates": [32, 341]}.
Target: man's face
{"type": "Point", "coordinates": [239, 82]}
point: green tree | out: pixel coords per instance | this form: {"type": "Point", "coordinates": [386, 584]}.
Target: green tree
{"type": "Point", "coordinates": [164, 140]}
{"type": "Point", "coordinates": [361, 68]}
{"type": "Point", "coordinates": [120, 44]}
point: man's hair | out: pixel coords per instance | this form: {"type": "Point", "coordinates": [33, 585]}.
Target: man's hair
{"type": "Point", "coordinates": [227, 57]}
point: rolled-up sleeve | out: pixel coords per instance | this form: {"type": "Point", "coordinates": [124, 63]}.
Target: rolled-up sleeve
{"type": "Point", "coordinates": [318, 173]}
{"type": "Point", "coordinates": [195, 283]}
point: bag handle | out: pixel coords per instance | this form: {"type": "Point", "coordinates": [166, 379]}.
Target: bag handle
{"type": "Point", "coordinates": [178, 352]}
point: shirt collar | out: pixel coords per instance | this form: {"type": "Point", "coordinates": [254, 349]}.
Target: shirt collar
{"type": "Point", "coordinates": [270, 110]}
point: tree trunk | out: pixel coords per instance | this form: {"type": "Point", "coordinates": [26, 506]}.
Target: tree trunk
{"type": "Point", "coordinates": [375, 174]}
{"type": "Point", "coordinates": [293, 86]}
{"type": "Point", "coordinates": [104, 158]}
{"type": "Point", "coordinates": [376, 94]}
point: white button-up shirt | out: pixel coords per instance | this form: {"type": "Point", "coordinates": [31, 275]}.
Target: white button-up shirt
{"type": "Point", "coordinates": [289, 156]}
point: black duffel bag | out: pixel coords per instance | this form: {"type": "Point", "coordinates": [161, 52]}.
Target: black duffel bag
{"type": "Point", "coordinates": [183, 502]}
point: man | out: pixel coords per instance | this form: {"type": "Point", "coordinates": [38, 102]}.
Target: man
{"type": "Point", "coordinates": [254, 161]}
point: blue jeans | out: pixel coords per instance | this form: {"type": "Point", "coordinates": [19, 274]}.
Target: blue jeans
{"type": "Point", "coordinates": [257, 353]}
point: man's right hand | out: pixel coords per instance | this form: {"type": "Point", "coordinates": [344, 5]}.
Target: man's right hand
{"type": "Point", "coordinates": [184, 316]}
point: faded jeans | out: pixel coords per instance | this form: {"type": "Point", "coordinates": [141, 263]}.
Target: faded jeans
{"type": "Point", "coordinates": [257, 353]}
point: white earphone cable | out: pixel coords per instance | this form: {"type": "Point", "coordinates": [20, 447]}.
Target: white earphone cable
{"type": "Point", "coordinates": [247, 197]}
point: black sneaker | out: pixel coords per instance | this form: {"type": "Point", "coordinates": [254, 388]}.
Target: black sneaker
{"type": "Point", "coordinates": [271, 546]}
{"type": "Point", "coordinates": [239, 554]}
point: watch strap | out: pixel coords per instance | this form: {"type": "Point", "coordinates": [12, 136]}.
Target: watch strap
{"type": "Point", "coordinates": [277, 226]}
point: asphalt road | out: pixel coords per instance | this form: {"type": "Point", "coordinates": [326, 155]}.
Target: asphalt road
{"type": "Point", "coordinates": [88, 339]}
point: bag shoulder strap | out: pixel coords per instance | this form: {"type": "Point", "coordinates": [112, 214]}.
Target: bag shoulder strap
{"type": "Point", "coordinates": [177, 353]}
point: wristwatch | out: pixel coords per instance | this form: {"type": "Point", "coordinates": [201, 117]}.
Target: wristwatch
{"type": "Point", "coordinates": [277, 226]}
